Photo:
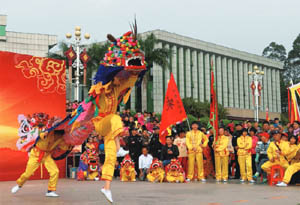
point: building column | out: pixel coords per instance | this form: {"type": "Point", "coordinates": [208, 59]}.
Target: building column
{"type": "Point", "coordinates": [277, 82]}
{"type": "Point", "coordinates": [230, 83]}
{"type": "Point", "coordinates": [269, 79]}
{"type": "Point", "coordinates": [167, 71]}
{"type": "Point", "coordinates": [236, 84]}
{"type": "Point", "coordinates": [201, 77]}
{"type": "Point", "coordinates": [174, 63]}
{"type": "Point", "coordinates": [132, 99]}
{"type": "Point", "coordinates": [195, 75]}
{"type": "Point", "coordinates": [207, 77]}
{"type": "Point", "coordinates": [246, 86]}
{"type": "Point", "coordinates": [218, 78]}
{"type": "Point", "coordinates": [274, 94]}
{"type": "Point", "coordinates": [265, 89]}
{"type": "Point", "coordinates": [251, 105]}
{"type": "Point", "coordinates": [241, 84]}
{"type": "Point", "coordinates": [157, 85]}
{"type": "Point", "coordinates": [181, 72]}
{"type": "Point", "coordinates": [224, 79]}
{"type": "Point", "coordinates": [188, 79]}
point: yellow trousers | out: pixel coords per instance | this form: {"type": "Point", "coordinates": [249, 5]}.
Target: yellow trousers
{"type": "Point", "coordinates": [267, 165]}
{"type": "Point", "coordinates": [245, 163]}
{"type": "Point", "coordinates": [92, 175]}
{"type": "Point", "coordinates": [178, 178]}
{"type": "Point", "coordinates": [33, 164]}
{"type": "Point", "coordinates": [127, 178]}
{"type": "Point", "coordinates": [191, 165]}
{"type": "Point", "coordinates": [221, 164]}
{"type": "Point", "coordinates": [292, 169]}
{"type": "Point", "coordinates": [110, 127]}
{"type": "Point", "coordinates": [156, 176]}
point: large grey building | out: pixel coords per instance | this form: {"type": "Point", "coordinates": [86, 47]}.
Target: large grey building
{"type": "Point", "coordinates": [190, 63]}
{"type": "Point", "coordinates": [24, 43]}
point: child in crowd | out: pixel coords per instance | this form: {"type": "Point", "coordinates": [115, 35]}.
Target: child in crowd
{"type": "Point", "coordinates": [180, 142]}
{"type": "Point", "coordinates": [261, 157]}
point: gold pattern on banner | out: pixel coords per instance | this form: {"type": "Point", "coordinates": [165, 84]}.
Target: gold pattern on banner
{"type": "Point", "coordinates": [50, 74]}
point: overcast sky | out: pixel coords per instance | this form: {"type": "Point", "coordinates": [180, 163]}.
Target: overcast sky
{"type": "Point", "coordinates": [248, 25]}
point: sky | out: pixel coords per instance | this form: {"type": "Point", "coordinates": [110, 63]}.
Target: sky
{"type": "Point", "coordinates": [241, 24]}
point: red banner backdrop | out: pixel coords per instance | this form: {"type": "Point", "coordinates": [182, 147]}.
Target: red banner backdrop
{"type": "Point", "coordinates": [28, 85]}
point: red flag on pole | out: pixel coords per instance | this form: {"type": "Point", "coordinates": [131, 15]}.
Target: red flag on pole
{"type": "Point", "coordinates": [213, 118]}
{"type": "Point", "coordinates": [173, 110]}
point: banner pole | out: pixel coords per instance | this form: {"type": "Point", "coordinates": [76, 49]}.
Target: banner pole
{"type": "Point", "coordinates": [187, 119]}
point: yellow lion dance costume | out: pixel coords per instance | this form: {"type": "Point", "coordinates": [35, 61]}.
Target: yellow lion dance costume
{"type": "Point", "coordinates": [156, 172]}
{"type": "Point", "coordinates": [175, 172]}
{"type": "Point", "coordinates": [127, 171]}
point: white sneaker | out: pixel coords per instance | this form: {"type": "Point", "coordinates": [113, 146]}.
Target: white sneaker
{"type": "Point", "coordinates": [218, 180]}
{"type": "Point", "coordinates": [252, 181]}
{"type": "Point", "coordinates": [225, 180]}
{"type": "Point", "coordinates": [52, 194]}
{"type": "Point", "coordinates": [96, 178]}
{"type": "Point", "coordinates": [203, 180]}
{"type": "Point", "coordinates": [15, 189]}
{"type": "Point", "coordinates": [187, 180]}
{"type": "Point", "coordinates": [242, 180]}
{"type": "Point", "coordinates": [281, 184]}
{"type": "Point", "coordinates": [107, 194]}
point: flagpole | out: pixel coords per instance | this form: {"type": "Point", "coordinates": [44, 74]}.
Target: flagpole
{"type": "Point", "coordinates": [188, 122]}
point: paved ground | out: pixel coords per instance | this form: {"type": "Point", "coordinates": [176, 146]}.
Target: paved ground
{"type": "Point", "coordinates": [210, 193]}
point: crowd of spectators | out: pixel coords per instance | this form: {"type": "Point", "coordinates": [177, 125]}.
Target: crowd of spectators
{"type": "Point", "coordinates": [141, 141]}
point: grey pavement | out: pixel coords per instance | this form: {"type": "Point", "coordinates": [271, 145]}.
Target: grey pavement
{"type": "Point", "coordinates": [146, 193]}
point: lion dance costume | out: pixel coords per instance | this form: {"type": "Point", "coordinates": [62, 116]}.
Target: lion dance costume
{"type": "Point", "coordinates": [156, 171]}
{"type": "Point", "coordinates": [175, 172]}
{"type": "Point", "coordinates": [89, 165]}
{"type": "Point", "coordinates": [127, 171]}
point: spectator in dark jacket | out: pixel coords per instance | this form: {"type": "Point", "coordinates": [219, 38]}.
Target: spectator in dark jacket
{"type": "Point", "coordinates": [235, 136]}
{"type": "Point", "coordinates": [135, 147]}
{"type": "Point", "coordinates": [155, 145]}
{"type": "Point", "coordinates": [169, 151]}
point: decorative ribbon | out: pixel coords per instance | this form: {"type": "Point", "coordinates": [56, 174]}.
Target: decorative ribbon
{"type": "Point", "coordinates": [79, 111]}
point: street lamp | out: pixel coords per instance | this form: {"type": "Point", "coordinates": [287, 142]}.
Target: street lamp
{"type": "Point", "coordinates": [77, 62]}
{"type": "Point", "coordinates": [256, 87]}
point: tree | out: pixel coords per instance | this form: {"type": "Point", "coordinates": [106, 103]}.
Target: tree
{"type": "Point", "coordinates": [202, 109]}
{"type": "Point", "coordinates": [292, 63]}
{"type": "Point", "coordinates": [153, 55]}
{"type": "Point", "coordinates": [278, 52]}
{"type": "Point", "coordinates": [275, 51]}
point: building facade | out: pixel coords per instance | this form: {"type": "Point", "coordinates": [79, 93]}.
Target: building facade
{"type": "Point", "coordinates": [190, 64]}
{"type": "Point", "coordinates": [25, 43]}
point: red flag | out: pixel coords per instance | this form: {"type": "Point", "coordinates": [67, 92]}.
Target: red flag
{"type": "Point", "coordinates": [213, 118]}
{"type": "Point", "coordinates": [267, 114]}
{"type": "Point", "coordinates": [173, 110]}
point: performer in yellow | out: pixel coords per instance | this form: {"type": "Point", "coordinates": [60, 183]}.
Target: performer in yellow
{"type": "Point", "coordinates": [277, 152]}
{"type": "Point", "coordinates": [294, 160]}
{"type": "Point", "coordinates": [244, 143]}
{"type": "Point", "coordinates": [41, 154]}
{"type": "Point", "coordinates": [175, 172]}
{"type": "Point", "coordinates": [195, 142]}
{"type": "Point", "coordinates": [221, 156]}
{"type": "Point", "coordinates": [156, 171]}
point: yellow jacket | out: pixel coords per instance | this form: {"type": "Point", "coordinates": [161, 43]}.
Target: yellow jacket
{"type": "Point", "coordinates": [293, 149]}
{"type": "Point", "coordinates": [244, 145]}
{"type": "Point", "coordinates": [48, 142]}
{"type": "Point", "coordinates": [284, 147]}
{"type": "Point", "coordinates": [221, 146]}
{"type": "Point", "coordinates": [195, 139]}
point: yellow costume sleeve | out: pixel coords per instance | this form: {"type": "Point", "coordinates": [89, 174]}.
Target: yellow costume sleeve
{"type": "Point", "coordinates": [270, 151]}
{"type": "Point", "coordinates": [223, 144]}
{"type": "Point", "coordinates": [127, 83]}
{"type": "Point", "coordinates": [248, 143]}
{"type": "Point", "coordinates": [285, 148]}
{"type": "Point", "coordinates": [205, 139]}
{"type": "Point", "coordinates": [188, 141]}
{"type": "Point", "coordinates": [240, 143]}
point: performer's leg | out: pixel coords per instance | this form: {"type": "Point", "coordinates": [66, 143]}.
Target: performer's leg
{"type": "Point", "coordinates": [31, 166]}
{"type": "Point", "coordinates": [249, 167]}
{"type": "Point", "coordinates": [242, 163]}
{"type": "Point", "coordinates": [267, 166]}
{"type": "Point", "coordinates": [191, 165]}
{"type": "Point", "coordinates": [290, 171]}
{"type": "Point", "coordinates": [224, 162]}
{"type": "Point", "coordinates": [199, 160]}
{"type": "Point", "coordinates": [150, 177]}
{"type": "Point", "coordinates": [53, 172]}
{"type": "Point", "coordinates": [218, 167]}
